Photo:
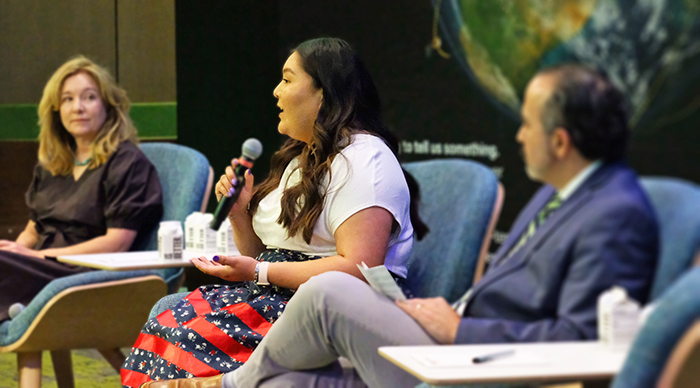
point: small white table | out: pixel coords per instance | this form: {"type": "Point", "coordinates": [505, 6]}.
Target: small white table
{"type": "Point", "coordinates": [530, 362]}
{"type": "Point", "coordinates": [126, 261]}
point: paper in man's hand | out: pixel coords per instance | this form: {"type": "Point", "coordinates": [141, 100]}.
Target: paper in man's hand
{"type": "Point", "coordinates": [381, 280]}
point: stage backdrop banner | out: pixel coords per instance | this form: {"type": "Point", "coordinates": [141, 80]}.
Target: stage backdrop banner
{"type": "Point", "coordinates": [230, 55]}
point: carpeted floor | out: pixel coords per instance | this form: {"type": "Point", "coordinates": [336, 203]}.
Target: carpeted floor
{"type": "Point", "coordinates": [89, 370]}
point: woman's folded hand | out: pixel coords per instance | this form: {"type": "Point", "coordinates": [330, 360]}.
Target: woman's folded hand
{"type": "Point", "coordinates": [11, 246]}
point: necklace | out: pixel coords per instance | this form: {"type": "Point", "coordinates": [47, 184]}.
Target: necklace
{"type": "Point", "coordinates": [77, 163]}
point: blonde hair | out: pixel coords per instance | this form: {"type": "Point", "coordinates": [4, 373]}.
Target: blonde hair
{"type": "Point", "coordinates": [56, 145]}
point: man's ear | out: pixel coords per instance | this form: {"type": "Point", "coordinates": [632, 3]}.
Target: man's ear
{"type": "Point", "coordinates": [561, 142]}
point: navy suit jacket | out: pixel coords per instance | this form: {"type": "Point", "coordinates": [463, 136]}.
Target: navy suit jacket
{"type": "Point", "coordinates": [604, 234]}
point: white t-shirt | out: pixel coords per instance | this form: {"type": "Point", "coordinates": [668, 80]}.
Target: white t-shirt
{"type": "Point", "coordinates": [365, 174]}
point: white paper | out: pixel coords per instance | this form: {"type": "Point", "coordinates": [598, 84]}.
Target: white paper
{"type": "Point", "coordinates": [451, 360]}
{"type": "Point", "coordinates": [380, 279]}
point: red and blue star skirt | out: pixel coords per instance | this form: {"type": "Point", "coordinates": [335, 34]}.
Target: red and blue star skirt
{"type": "Point", "coordinates": [213, 330]}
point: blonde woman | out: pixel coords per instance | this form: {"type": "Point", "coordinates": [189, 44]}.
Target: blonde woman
{"type": "Point", "coordinates": [93, 190]}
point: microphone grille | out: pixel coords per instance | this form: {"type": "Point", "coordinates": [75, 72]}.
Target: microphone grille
{"type": "Point", "coordinates": [252, 148]}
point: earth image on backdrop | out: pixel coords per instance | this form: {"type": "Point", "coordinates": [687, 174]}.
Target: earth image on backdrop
{"type": "Point", "coordinates": [649, 48]}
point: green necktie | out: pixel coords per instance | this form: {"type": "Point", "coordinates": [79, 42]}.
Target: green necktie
{"type": "Point", "coordinates": [536, 222]}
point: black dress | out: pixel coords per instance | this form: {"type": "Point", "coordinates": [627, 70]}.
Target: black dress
{"type": "Point", "coordinates": [124, 193]}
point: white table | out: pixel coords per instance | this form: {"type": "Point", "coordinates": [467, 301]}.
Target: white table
{"type": "Point", "coordinates": [531, 362]}
{"type": "Point", "coordinates": [126, 261]}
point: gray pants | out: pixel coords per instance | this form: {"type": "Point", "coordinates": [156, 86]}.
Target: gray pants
{"type": "Point", "coordinates": [332, 315]}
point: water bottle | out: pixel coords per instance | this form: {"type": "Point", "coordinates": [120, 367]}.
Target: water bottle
{"type": "Point", "coordinates": [191, 223]}
{"type": "Point", "coordinates": [170, 240]}
{"type": "Point", "coordinates": [618, 317]}
{"type": "Point", "coordinates": [225, 244]}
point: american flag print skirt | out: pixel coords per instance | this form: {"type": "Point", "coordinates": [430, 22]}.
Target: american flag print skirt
{"type": "Point", "coordinates": [213, 330]}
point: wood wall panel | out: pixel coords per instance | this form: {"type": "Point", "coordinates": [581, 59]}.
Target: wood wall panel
{"type": "Point", "coordinates": [146, 49]}
{"type": "Point", "coordinates": [38, 36]}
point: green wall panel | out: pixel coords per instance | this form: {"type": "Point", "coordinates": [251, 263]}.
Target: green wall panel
{"type": "Point", "coordinates": [19, 122]}
{"type": "Point", "coordinates": [157, 120]}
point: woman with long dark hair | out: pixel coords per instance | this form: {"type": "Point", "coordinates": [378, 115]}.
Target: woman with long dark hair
{"type": "Point", "coordinates": [335, 197]}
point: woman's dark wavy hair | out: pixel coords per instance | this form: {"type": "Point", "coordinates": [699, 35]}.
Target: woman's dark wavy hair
{"type": "Point", "coordinates": [350, 104]}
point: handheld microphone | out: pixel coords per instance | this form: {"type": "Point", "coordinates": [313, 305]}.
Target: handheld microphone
{"type": "Point", "coordinates": [252, 149]}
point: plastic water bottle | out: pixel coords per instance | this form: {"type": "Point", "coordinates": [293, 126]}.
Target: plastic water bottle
{"type": "Point", "coordinates": [170, 240]}
{"type": "Point", "coordinates": [618, 317]}
{"type": "Point", "coordinates": [205, 241]}
{"type": "Point", "coordinates": [191, 223]}
{"type": "Point", "coordinates": [225, 244]}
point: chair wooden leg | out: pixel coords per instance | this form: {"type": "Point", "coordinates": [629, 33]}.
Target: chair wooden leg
{"type": "Point", "coordinates": [29, 368]}
{"type": "Point", "coordinates": [114, 357]}
{"type": "Point", "coordinates": [63, 368]}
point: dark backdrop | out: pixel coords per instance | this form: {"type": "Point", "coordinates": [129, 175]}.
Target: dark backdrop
{"type": "Point", "coordinates": [229, 59]}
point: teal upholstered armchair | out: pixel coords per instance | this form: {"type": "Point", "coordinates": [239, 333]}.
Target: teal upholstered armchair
{"type": "Point", "coordinates": [677, 309]}
{"type": "Point", "coordinates": [186, 178]}
{"type": "Point", "coordinates": [460, 202]}
{"type": "Point", "coordinates": [676, 289]}
{"type": "Point", "coordinates": [104, 309]}
{"type": "Point", "coordinates": [677, 206]}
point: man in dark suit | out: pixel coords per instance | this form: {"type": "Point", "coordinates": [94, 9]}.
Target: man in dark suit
{"type": "Point", "coordinates": [590, 227]}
